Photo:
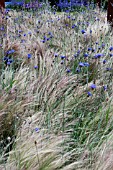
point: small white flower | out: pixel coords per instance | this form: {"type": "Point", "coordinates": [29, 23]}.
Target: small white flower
{"type": "Point", "coordinates": [8, 138]}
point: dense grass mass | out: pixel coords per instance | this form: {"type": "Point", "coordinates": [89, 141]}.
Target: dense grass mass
{"type": "Point", "coordinates": [56, 90]}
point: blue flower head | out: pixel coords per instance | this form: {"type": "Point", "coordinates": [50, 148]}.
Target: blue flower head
{"type": "Point", "coordinates": [90, 31]}
{"type": "Point", "coordinates": [37, 129]}
{"type": "Point", "coordinates": [93, 86]}
{"type": "Point", "coordinates": [81, 64]}
{"type": "Point", "coordinates": [98, 55]}
{"type": "Point", "coordinates": [86, 55]}
{"type": "Point", "coordinates": [89, 93]}
{"type": "Point", "coordinates": [111, 55]}
{"type": "Point", "coordinates": [56, 55]}
{"type": "Point", "coordinates": [29, 56]}
{"type": "Point", "coordinates": [105, 88]}
{"type": "Point", "coordinates": [77, 70]}
{"type": "Point", "coordinates": [8, 63]}
{"type": "Point", "coordinates": [62, 57]}
{"type": "Point", "coordinates": [104, 61]}
{"type": "Point", "coordinates": [86, 64]}
{"type": "Point", "coordinates": [83, 31]}
{"type": "Point", "coordinates": [68, 70]}
{"type": "Point", "coordinates": [89, 48]}
{"type": "Point", "coordinates": [111, 48]}
{"type": "Point", "coordinates": [35, 67]}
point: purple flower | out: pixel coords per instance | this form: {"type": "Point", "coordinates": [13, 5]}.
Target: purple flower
{"type": "Point", "coordinates": [93, 86]}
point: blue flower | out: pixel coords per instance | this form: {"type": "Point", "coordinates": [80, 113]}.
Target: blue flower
{"type": "Point", "coordinates": [5, 58]}
{"type": "Point", "coordinates": [68, 16]}
{"type": "Point", "coordinates": [68, 70]}
{"type": "Point", "coordinates": [43, 41]}
{"type": "Point", "coordinates": [103, 45]}
{"type": "Point", "coordinates": [83, 31]}
{"type": "Point", "coordinates": [29, 56]}
{"type": "Point", "coordinates": [111, 55]}
{"type": "Point", "coordinates": [104, 61]}
{"type": "Point", "coordinates": [89, 48]}
{"type": "Point", "coordinates": [8, 63]}
{"type": "Point", "coordinates": [86, 64]}
{"type": "Point", "coordinates": [62, 57]}
{"type": "Point", "coordinates": [10, 60]}
{"type": "Point", "coordinates": [62, 62]}
{"type": "Point", "coordinates": [10, 51]}
{"type": "Point", "coordinates": [48, 39]}
{"type": "Point", "coordinates": [73, 26]}
{"type": "Point", "coordinates": [56, 55]}
{"type": "Point", "coordinates": [86, 55]}
{"type": "Point", "coordinates": [89, 93]}
{"type": "Point", "coordinates": [93, 86]}
{"type": "Point", "coordinates": [81, 64]}
{"type": "Point", "coordinates": [108, 69]}
{"type": "Point", "coordinates": [111, 48]}
{"type": "Point", "coordinates": [105, 88]}
{"type": "Point", "coordinates": [78, 52]}
{"type": "Point", "coordinates": [90, 31]}
{"type": "Point", "coordinates": [75, 55]}
{"type": "Point", "coordinates": [77, 70]}
{"type": "Point", "coordinates": [35, 67]}
{"type": "Point", "coordinates": [98, 55]}
{"type": "Point", "coordinates": [37, 129]}
{"type": "Point", "coordinates": [49, 33]}
{"type": "Point", "coordinates": [29, 33]}
{"type": "Point", "coordinates": [45, 37]}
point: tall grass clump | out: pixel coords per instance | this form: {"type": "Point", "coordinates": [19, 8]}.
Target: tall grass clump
{"type": "Point", "coordinates": [56, 90]}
